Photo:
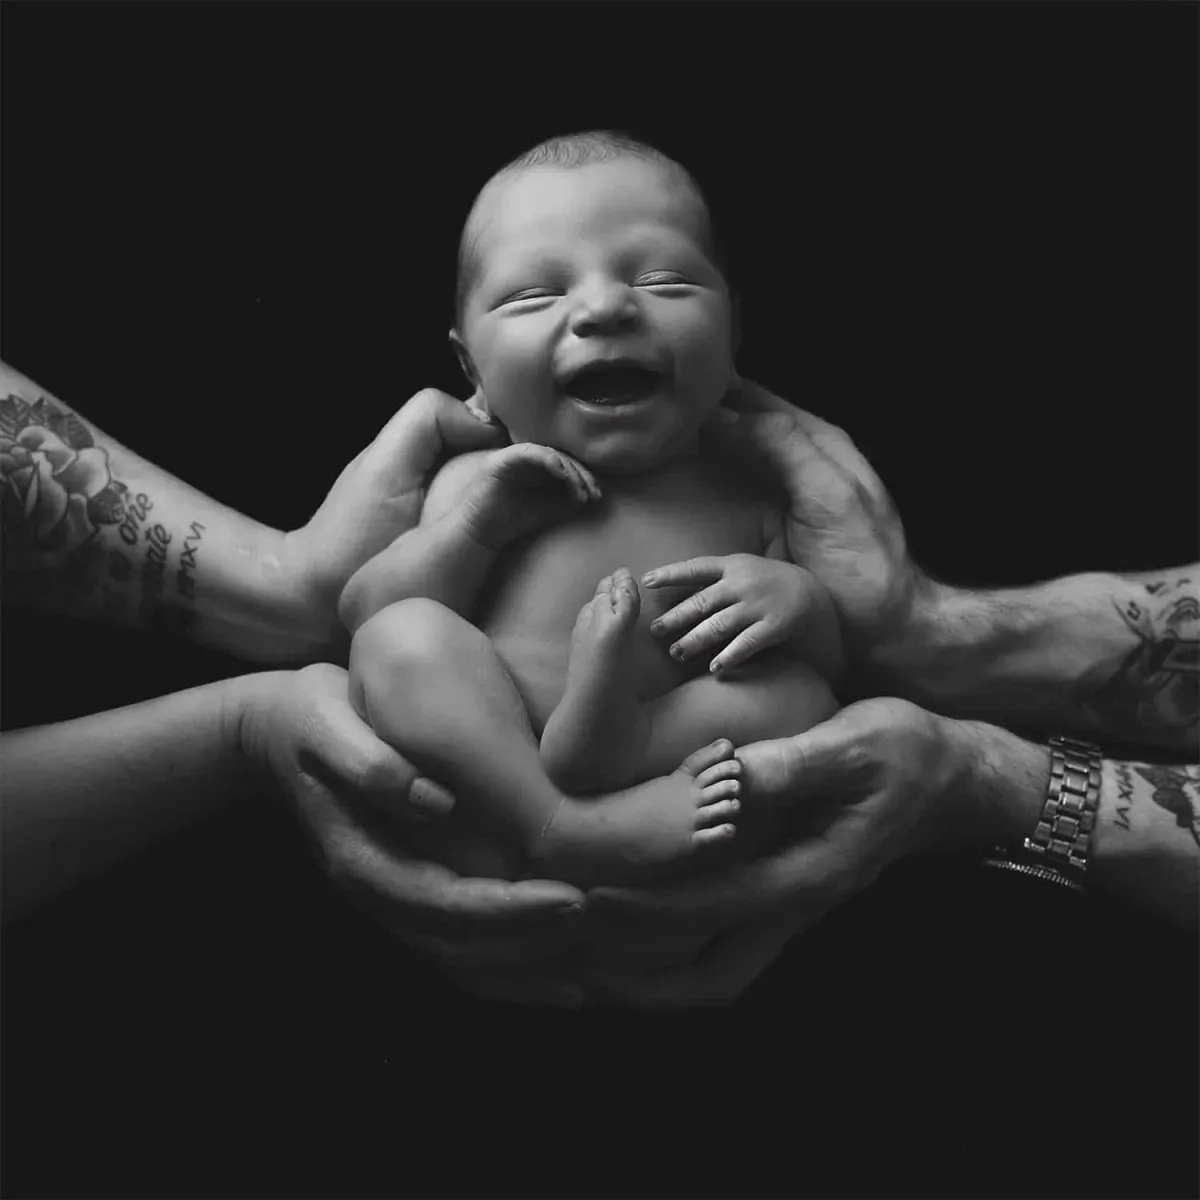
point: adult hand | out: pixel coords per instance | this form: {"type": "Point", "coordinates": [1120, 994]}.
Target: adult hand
{"type": "Point", "coordinates": [879, 780]}
{"type": "Point", "coordinates": [504, 940]}
{"type": "Point", "coordinates": [841, 522]}
{"type": "Point", "coordinates": [380, 493]}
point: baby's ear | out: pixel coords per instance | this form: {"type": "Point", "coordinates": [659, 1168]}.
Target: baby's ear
{"type": "Point", "coordinates": [464, 359]}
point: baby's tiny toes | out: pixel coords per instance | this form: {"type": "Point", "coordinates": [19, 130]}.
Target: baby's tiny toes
{"type": "Point", "coordinates": [709, 837]}
{"type": "Point", "coordinates": [728, 768]}
{"type": "Point", "coordinates": [718, 813]}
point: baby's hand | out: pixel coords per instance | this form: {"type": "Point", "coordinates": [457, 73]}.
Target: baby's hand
{"type": "Point", "coordinates": [521, 488]}
{"type": "Point", "coordinates": [743, 603]}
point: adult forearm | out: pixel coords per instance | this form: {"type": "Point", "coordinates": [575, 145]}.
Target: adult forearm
{"type": "Point", "coordinates": [1145, 847]}
{"type": "Point", "coordinates": [1103, 656]}
{"type": "Point", "coordinates": [82, 795]}
{"type": "Point", "coordinates": [91, 530]}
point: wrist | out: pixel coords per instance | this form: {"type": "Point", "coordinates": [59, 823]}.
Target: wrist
{"type": "Point", "coordinates": [894, 657]}
{"type": "Point", "coordinates": [307, 605]}
{"type": "Point", "coordinates": [1007, 778]}
{"type": "Point", "coordinates": [247, 705]}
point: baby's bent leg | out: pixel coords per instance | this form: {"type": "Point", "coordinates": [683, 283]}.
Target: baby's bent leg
{"type": "Point", "coordinates": [431, 685]}
{"type": "Point", "coordinates": [595, 739]}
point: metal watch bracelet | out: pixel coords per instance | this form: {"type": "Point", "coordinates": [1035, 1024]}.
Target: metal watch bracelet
{"type": "Point", "coordinates": [1057, 850]}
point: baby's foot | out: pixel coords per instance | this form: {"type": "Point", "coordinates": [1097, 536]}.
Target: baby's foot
{"type": "Point", "coordinates": [666, 822]}
{"type": "Point", "coordinates": [768, 778]}
{"type": "Point", "coordinates": [595, 738]}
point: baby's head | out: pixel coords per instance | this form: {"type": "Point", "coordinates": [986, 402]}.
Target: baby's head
{"type": "Point", "coordinates": [590, 249]}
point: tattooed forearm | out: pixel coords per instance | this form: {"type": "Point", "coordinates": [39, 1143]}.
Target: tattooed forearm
{"type": "Point", "coordinates": [1156, 686]}
{"type": "Point", "coordinates": [1173, 789]}
{"type": "Point", "coordinates": [77, 539]}
{"type": "Point", "coordinates": [1124, 797]}
{"type": "Point", "coordinates": [185, 577]}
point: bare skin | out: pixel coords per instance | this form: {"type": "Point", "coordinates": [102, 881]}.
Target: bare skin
{"type": "Point", "coordinates": [463, 683]}
{"type": "Point", "coordinates": [599, 725]}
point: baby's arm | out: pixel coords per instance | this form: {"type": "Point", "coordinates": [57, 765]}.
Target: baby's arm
{"type": "Point", "coordinates": [477, 504]}
{"type": "Point", "coordinates": [439, 559]}
{"type": "Point", "coordinates": [745, 603]}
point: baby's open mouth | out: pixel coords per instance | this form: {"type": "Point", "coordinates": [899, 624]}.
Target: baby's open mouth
{"type": "Point", "coordinates": [613, 385]}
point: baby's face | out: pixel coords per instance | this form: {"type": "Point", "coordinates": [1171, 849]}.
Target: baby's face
{"type": "Point", "coordinates": [595, 263]}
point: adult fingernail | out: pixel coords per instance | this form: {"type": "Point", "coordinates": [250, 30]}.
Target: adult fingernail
{"type": "Point", "coordinates": [428, 801]}
{"type": "Point", "coordinates": [649, 578]}
{"type": "Point", "coordinates": [479, 415]}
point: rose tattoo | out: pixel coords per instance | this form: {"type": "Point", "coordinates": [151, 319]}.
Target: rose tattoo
{"type": "Point", "coordinates": [55, 484]}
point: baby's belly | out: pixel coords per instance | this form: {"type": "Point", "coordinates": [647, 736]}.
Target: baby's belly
{"type": "Point", "coordinates": [537, 595]}
{"type": "Point", "coordinates": [538, 666]}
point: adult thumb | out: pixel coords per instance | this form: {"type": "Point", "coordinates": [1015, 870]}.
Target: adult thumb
{"type": "Point", "coordinates": [464, 427]}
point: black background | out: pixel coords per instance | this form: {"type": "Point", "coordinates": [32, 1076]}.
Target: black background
{"type": "Point", "coordinates": [966, 233]}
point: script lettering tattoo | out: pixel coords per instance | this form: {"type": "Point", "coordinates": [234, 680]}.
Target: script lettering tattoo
{"type": "Point", "coordinates": [1176, 789]}
{"type": "Point", "coordinates": [185, 580]}
{"type": "Point", "coordinates": [1157, 685]}
{"type": "Point", "coordinates": [57, 493]}
{"type": "Point", "coordinates": [1124, 796]}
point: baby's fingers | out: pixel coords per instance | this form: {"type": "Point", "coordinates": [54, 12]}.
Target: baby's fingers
{"type": "Point", "coordinates": [718, 630]}
{"type": "Point", "coordinates": [688, 612]}
{"type": "Point", "coordinates": [743, 648]}
{"type": "Point", "coordinates": [579, 479]}
{"type": "Point", "coordinates": [694, 573]}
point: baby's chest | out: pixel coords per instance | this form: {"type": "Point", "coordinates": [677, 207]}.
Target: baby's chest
{"type": "Point", "coordinates": [535, 594]}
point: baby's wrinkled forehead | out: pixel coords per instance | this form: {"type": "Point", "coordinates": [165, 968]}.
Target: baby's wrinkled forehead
{"type": "Point", "coordinates": [525, 209]}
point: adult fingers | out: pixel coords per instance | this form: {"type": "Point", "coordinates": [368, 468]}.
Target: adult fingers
{"type": "Point", "coordinates": [721, 974]}
{"type": "Point", "coordinates": [749, 396]}
{"type": "Point", "coordinates": [836, 443]}
{"type": "Point", "coordinates": [498, 950]}
{"type": "Point", "coordinates": [430, 899]}
{"type": "Point", "coordinates": [802, 881]}
{"type": "Point", "coordinates": [695, 572]}
{"type": "Point", "coordinates": [343, 751]}
{"type": "Point", "coordinates": [716, 631]}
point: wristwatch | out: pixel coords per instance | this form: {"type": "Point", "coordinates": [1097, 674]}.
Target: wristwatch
{"type": "Point", "coordinates": [1057, 850]}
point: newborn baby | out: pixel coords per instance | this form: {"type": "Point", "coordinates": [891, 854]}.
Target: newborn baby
{"type": "Point", "coordinates": [596, 323]}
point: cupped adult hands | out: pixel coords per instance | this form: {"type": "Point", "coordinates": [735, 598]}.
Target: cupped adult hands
{"type": "Point", "coordinates": [841, 523]}
{"type": "Point", "coordinates": [879, 780]}
{"type": "Point", "coordinates": [378, 496]}
{"type": "Point", "coordinates": [504, 940]}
